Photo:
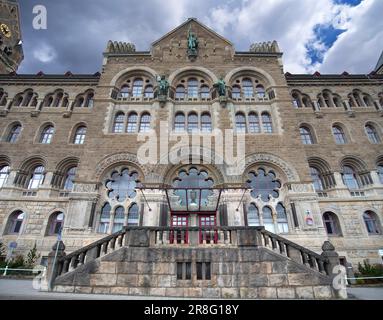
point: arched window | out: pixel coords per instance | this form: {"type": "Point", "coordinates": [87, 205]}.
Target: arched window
{"type": "Point", "coordinates": [58, 99]}
{"type": "Point", "coordinates": [372, 134]}
{"type": "Point", "coordinates": [193, 88]}
{"type": "Point", "coordinates": [192, 122]}
{"type": "Point", "coordinates": [180, 92]}
{"type": "Point", "coordinates": [306, 102]}
{"type": "Point", "coordinates": [380, 173]}
{"type": "Point", "coordinates": [367, 101]}
{"type": "Point", "coordinates": [49, 101]}
{"type": "Point", "coordinates": [70, 175]}
{"type": "Point", "coordinates": [133, 215]}
{"type": "Point", "coordinates": [337, 102]}
{"type": "Point", "coordinates": [18, 101]}
{"type": "Point", "coordinates": [104, 219]}
{"type": "Point", "coordinates": [205, 92]}
{"type": "Point", "coordinates": [15, 222]}
{"type": "Point", "coordinates": [119, 219]}
{"type": "Point", "coordinates": [283, 226]}
{"type": "Point", "coordinates": [340, 137]}
{"type": "Point", "coordinates": [47, 134]}
{"type": "Point", "coordinates": [149, 93]}
{"type": "Point", "coordinates": [137, 87]}
{"type": "Point", "coordinates": [89, 100]}
{"type": "Point", "coordinates": [240, 122]}
{"type": "Point", "coordinates": [37, 177]}
{"type": "Point", "coordinates": [266, 122]}
{"type": "Point", "coordinates": [28, 98]}
{"type": "Point", "coordinates": [296, 100]}
{"type": "Point", "coordinates": [179, 122]}
{"type": "Point", "coordinates": [350, 178]}
{"type": "Point", "coordinates": [65, 102]}
{"type": "Point", "coordinates": [14, 133]}
{"type": "Point", "coordinates": [261, 93]}
{"type": "Point", "coordinates": [326, 98]}
{"type": "Point", "coordinates": [145, 122]}
{"type": "Point", "coordinates": [371, 221]}
{"type": "Point", "coordinates": [56, 223]}
{"type": "Point", "coordinates": [306, 136]}
{"type": "Point", "coordinates": [80, 135]}
{"type": "Point", "coordinates": [206, 122]}
{"type": "Point", "coordinates": [124, 92]}
{"type": "Point", "coordinates": [4, 173]}
{"type": "Point", "coordinates": [317, 179]}
{"type": "Point", "coordinates": [357, 99]}
{"type": "Point", "coordinates": [247, 87]}
{"type": "Point", "coordinates": [80, 102]}
{"type": "Point", "coordinates": [254, 126]}
{"type": "Point", "coordinates": [331, 223]}
{"type": "Point", "coordinates": [253, 215]}
{"type": "Point", "coordinates": [132, 122]}
{"type": "Point", "coordinates": [268, 221]}
{"type": "Point", "coordinates": [236, 92]}
{"type": "Point", "coordinates": [118, 124]}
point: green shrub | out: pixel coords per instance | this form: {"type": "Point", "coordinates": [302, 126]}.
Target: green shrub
{"type": "Point", "coordinates": [31, 258]}
{"type": "Point", "coordinates": [369, 270]}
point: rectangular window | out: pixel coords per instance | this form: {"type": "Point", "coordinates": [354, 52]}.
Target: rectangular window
{"type": "Point", "coordinates": [183, 270]}
{"type": "Point", "coordinates": [203, 271]}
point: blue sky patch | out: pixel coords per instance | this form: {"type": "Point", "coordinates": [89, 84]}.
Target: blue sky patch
{"type": "Point", "coordinates": [326, 35]}
{"type": "Point", "coordinates": [349, 2]}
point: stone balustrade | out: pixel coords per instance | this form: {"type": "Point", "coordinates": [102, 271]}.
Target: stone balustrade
{"type": "Point", "coordinates": [192, 237]}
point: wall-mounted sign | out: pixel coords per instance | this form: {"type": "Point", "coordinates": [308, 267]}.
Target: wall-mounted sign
{"type": "Point", "coordinates": [309, 220]}
{"type": "Point", "coordinates": [381, 252]}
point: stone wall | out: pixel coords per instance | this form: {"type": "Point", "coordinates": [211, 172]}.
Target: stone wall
{"type": "Point", "coordinates": [235, 273]}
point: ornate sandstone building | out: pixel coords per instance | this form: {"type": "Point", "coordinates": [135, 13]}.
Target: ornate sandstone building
{"type": "Point", "coordinates": [70, 160]}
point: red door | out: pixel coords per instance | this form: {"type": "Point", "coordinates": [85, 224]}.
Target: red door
{"type": "Point", "coordinates": [178, 235]}
{"type": "Point", "coordinates": [207, 231]}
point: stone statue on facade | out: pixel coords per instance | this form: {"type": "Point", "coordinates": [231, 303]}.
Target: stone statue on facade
{"type": "Point", "coordinates": [192, 44]}
{"type": "Point", "coordinates": [163, 86]}
{"type": "Point", "coordinates": [221, 87]}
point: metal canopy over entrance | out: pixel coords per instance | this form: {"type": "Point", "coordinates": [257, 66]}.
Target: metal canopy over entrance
{"type": "Point", "coordinates": [195, 207]}
{"type": "Point", "coordinates": [193, 200]}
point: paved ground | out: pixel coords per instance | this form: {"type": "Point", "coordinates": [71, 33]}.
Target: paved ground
{"type": "Point", "coordinates": [12, 289]}
{"type": "Point", "coordinates": [366, 293]}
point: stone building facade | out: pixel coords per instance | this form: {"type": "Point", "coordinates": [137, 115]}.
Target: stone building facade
{"type": "Point", "coordinates": [71, 160]}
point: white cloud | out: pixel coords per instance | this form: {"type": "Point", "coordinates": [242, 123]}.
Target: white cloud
{"type": "Point", "coordinates": [292, 22]}
{"type": "Point", "coordinates": [358, 49]}
{"type": "Point", "coordinates": [44, 53]}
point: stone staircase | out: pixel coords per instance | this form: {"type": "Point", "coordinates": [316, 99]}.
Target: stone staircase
{"type": "Point", "coordinates": [226, 262]}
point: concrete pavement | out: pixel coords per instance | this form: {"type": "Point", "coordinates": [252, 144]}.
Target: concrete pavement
{"type": "Point", "coordinates": [13, 289]}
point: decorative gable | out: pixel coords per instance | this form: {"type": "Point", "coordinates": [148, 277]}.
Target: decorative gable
{"type": "Point", "coordinates": [177, 43]}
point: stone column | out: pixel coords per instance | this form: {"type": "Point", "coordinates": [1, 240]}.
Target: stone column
{"type": "Point", "coordinates": [332, 258]}
{"type": "Point", "coordinates": [8, 104]}
{"type": "Point", "coordinates": [58, 251]}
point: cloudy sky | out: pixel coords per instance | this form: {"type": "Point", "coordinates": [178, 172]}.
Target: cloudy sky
{"type": "Point", "coordinates": [331, 36]}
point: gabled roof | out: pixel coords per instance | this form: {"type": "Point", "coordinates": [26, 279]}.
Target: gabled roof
{"type": "Point", "coordinates": [189, 20]}
{"type": "Point", "coordinates": [380, 63]}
